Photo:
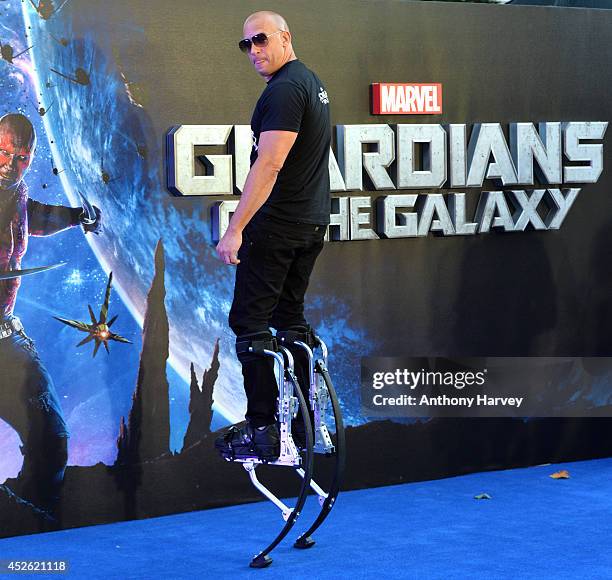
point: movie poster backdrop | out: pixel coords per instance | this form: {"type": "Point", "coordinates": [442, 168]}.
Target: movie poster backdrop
{"type": "Point", "coordinates": [460, 238]}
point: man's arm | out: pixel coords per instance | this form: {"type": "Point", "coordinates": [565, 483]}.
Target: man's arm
{"type": "Point", "coordinates": [273, 148]}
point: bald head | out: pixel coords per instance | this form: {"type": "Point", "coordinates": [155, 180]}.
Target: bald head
{"type": "Point", "coordinates": [20, 129]}
{"type": "Point", "coordinates": [17, 143]}
{"type": "Point", "coordinates": [267, 16]}
{"type": "Point", "coordinates": [276, 50]}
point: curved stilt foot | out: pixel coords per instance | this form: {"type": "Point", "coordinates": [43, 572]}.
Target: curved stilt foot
{"type": "Point", "coordinates": [261, 561]}
{"type": "Point", "coordinates": [304, 542]}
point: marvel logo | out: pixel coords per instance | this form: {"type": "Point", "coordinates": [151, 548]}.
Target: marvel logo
{"type": "Point", "coordinates": [406, 99]}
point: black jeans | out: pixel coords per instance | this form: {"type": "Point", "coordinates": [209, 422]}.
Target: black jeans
{"type": "Point", "coordinates": [276, 261]}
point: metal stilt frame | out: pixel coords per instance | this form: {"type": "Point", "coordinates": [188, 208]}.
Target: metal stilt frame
{"type": "Point", "coordinates": [317, 440]}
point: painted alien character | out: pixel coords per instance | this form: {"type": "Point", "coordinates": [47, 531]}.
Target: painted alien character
{"type": "Point", "coordinates": [28, 400]}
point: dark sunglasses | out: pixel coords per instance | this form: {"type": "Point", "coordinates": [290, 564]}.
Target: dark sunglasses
{"type": "Point", "coordinates": [258, 40]}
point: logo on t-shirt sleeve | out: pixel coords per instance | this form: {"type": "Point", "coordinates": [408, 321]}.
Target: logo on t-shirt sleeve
{"type": "Point", "coordinates": [323, 96]}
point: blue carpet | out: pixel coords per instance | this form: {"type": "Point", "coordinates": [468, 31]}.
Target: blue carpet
{"type": "Point", "coordinates": [533, 527]}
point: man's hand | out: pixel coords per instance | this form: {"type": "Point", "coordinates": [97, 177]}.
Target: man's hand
{"type": "Point", "coordinates": [228, 246]}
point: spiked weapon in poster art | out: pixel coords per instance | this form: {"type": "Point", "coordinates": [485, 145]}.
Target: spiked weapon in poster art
{"type": "Point", "coordinates": [98, 330]}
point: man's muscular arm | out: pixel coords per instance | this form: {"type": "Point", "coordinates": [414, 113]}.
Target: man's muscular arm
{"type": "Point", "coordinates": [273, 148]}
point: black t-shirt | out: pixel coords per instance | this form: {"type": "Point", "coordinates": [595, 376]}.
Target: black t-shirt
{"type": "Point", "coordinates": [296, 100]}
